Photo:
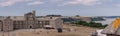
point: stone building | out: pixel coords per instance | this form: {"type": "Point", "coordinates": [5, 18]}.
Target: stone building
{"type": "Point", "coordinates": [29, 21]}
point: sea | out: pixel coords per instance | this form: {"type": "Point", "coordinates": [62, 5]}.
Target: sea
{"type": "Point", "coordinates": [106, 21]}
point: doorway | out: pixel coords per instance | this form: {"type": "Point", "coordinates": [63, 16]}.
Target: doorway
{"type": "Point", "coordinates": [30, 27]}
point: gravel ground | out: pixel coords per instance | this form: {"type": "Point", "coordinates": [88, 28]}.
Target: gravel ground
{"type": "Point", "coordinates": [75, 31]}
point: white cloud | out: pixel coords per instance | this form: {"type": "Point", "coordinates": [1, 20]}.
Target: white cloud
{"type": "Point", "coordinates": [11, 2]}
{"type": "Point", "coordinates": [35, 3]}
{"type": "Point", "coordinates": [56, 0]}
{"type": "Point", "coordinates": [117, 5]}
{"type": "Point", "coordinates": [90, 2]}
{"type": "Point", "coordinates": [83, 2]}
{"type": "Point", "coordinates": [38, 2]}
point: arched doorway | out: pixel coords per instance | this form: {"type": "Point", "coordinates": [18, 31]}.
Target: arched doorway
{"type": "Point", "coordinates": [30, 27]}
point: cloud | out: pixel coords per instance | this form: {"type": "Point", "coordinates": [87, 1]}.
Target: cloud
{"type": "Point", "coordinates": [117, 5]}
{"type": "Point", "coordinates": [83, 2]}
{"type": "Point", "coordinates": [11, 2]}
{"type": "Point", "coordinates": [35, 3]}
{"type": "Point", "coordinates": [5, 3]}
{"type": "Point", "coordinates": [90, 2]}
{"type": "Point", "coordinates": [56, 0]}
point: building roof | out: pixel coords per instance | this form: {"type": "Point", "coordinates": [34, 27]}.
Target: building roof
{"type": "Point", "coordinates": [22, 18]}
{"type": "Point", "coordinates": [13, 17]}
{"type": "Point", "coordinates": [2, 17]}
{"type": "Point", "coordinates": [17, 17]}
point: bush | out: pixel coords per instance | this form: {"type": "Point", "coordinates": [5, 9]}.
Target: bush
{"type": "Point", "coordinates": [90, 24]}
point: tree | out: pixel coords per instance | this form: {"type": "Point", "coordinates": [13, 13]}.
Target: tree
{"type": "Point", "coordinates": [77, 16]}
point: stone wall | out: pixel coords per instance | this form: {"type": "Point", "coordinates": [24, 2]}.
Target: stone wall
{"type": "Point", "coordinates": [29, 21]}
{"type": "Point", "coordinates": [7, 24]}
{"type": "Point", "coordinates": [1, 26]}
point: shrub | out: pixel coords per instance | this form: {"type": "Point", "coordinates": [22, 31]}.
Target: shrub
{"type": "Point", "coordinates": [90, 24]}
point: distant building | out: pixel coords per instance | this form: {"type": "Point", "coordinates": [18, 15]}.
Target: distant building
{"type": "Point", "coordinates": [28, 21]}
{"type": "Point", "coordinates": [53, 15]}
{"type": "Point", "coordinates": [83, 18]}
{"type": "Point", "coordinates": [68, 19]}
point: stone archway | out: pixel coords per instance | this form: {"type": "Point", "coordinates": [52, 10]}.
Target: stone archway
{"type": "Point", "coordinates": [30, 27]}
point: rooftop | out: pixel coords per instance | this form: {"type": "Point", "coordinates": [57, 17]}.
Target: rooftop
{"type": "Point", "coordinates": [22, 18]}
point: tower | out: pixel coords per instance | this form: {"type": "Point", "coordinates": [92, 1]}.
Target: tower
{"type": "Point", "coordinates": [34, 12]}
{"type": "Point", "coordinates": [30, 20]}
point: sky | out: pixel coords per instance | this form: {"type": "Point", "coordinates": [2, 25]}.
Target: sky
{"type": "Point", "coordinates": [60, 7]}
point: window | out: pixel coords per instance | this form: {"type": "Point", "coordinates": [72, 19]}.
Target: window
{"type": "Point", "coordinates": [46, 22]}
{"type": "Point", "coordinates": [31, 15]}
{"type": "Point", "coordinates": [31, 22]}
{"type": "Point", "coordinates": [17, 22]}
{"type": "Point", "coordinates": [22, 22]}
{"type": "Point", "coordinates": [40, 22]}
{"type": "Point", "coordinates": [14, 22]}
{"type": "Point", "coordinates": [7, 22]}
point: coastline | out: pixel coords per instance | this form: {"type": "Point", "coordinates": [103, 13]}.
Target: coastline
{"type": "Point", "coordinates": [107, 21]}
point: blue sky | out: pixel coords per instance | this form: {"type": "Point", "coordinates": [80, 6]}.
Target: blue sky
{"type": "Point", "coordinates": [61, 7]}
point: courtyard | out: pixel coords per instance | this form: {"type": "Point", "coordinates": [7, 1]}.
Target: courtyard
{"type": "Point", "coordinates": [68, 30]}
